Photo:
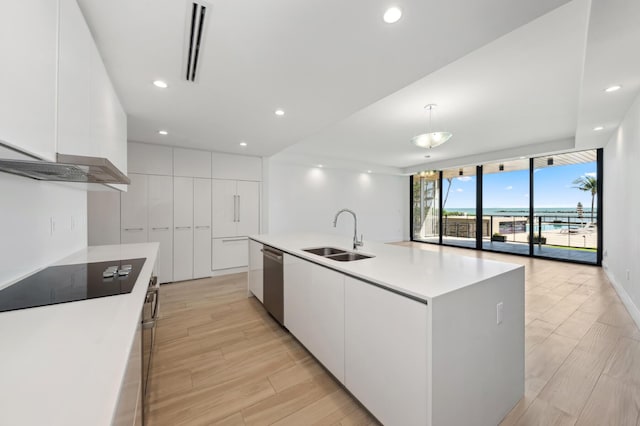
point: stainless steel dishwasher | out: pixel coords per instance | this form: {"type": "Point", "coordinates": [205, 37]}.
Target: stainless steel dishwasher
{"type": "Point", "coordinates": [273, 283]}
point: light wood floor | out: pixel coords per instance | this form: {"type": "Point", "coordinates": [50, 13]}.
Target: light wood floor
{"type": "Point", "coordinates": [220, 359]}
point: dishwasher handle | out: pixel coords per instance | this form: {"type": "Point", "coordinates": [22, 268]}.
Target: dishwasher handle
{"type": "Point", "coordinates": [270, 254]}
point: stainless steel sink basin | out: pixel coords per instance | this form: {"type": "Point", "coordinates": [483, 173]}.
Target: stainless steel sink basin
{"type": "Point", "coordinates": [325, 251]}
{"type": "Point", "coordinates": [337, 254]}
{"type": "Point", "coordinates": [348, 257]}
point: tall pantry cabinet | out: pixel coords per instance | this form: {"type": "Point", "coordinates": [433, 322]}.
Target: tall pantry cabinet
{"type": "Point", "coordinates": [200, 206]}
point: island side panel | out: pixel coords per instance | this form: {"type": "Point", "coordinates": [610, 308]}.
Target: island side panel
{"type": "Point", "coordinates": [477, 364]}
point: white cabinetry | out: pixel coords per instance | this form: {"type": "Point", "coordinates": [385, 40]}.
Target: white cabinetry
{"type": "Point", "coordinates": [28, 42]}
{"type": "Point", "coordinates": [236, 208]}
{"type": "Point", "coordinates": [160, 215]}
{"type": "Point", "coordinates": [183, 228]}
{"type": "Point", "coordinates": [386, 354]}
{"type": "Point", "coordinates": [56, 94]}
{"type": "Point", "coordinates": [236, 167]}
{"type": "Point", "coordinates": [235, 215]}
{"type": "Point", "coordinates": [133, 213]}
{"type": "Point", "coordinates": [202, 228]}
{"type": "Point", "coordinates": [129, 408]}
{"type": "Point", "coordinates": [191, 163]}
{"type": "Point", "coordinates": [150, 159]}
{"type": "Point", "coordinates": [314, 311]}
{"type": "Point", "coordinates": [256, 269]}
{"type": "Point", "coordinates": [75, 83]}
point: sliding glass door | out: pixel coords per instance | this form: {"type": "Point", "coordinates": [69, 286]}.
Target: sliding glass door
{"type": "Point", "coordinates": [426, 207]}
{"type": "Point", "coordinates": [566, 216]}
{"type": "Point", "coordinates": [544, 207]}
{"type": "Point", "coordinates": [505, 206]}
{"type": "Point", "coordinates": [459, 207]}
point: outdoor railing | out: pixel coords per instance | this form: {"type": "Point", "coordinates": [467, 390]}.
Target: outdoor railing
{"type": "Point", "coordinates": [554, 229]}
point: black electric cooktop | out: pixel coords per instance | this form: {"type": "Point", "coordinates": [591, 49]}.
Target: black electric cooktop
{"type": "Point", "coordinates": [70, 283]}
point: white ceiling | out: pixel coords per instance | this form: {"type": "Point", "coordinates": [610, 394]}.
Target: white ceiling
{"type": "Point", "coordinates": [322, 62]}
{"type": "Point", "coordinates": [512, 77]}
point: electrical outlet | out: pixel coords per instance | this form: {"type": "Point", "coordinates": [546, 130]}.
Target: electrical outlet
{"type": "Point", "coordinates": [499, 309]}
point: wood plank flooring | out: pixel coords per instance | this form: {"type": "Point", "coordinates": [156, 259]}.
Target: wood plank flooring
{"type": "Point", "coordinates": [221, 360]}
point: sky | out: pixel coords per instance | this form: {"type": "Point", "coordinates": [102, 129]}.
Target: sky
{"type": "Point", "coordinates": [553, 188]}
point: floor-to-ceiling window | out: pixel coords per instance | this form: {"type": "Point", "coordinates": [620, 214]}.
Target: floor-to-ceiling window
{"type": "Point", "coordinates": [459, 206]}
{"type": "Point", "coordinates": [426, 206]}
{"type": "Point", "coordinates": [505, 206]}
{"type": "Point", "coordinates": [565, 214]}
{"type": "Point", "coordinates": [544, 206]}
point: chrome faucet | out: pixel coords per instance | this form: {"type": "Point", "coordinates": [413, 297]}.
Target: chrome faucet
{"type": "Point", "coordinates": [356, 243]}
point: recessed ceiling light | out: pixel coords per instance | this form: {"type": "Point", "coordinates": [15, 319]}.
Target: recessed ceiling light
{"type": "Point", "coordinates": [243, 144]}
{"type": "Point", "coordinates": [161, 84]}
{"type": "Point", "coordinates": [392, 15]}
{"type": "Point", "coordinates": [279, 112]}
{"type": "Point", "coordinates": [613, 88]}
{"type": "Point", "coordinates": [522, 158]}
{"type": "Point", "coordinates": [598, 128]}
{"type": "Point", "coordinates": [320, 166]}
{"type": "Point", "coordinates": [368, 171]}
{"type": "Point", "coordinates": [163, 132]}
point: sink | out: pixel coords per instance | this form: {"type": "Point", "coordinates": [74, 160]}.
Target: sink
{"type": "Point", "coordinates": [325, 251]}
{"type": "Point", "coordinates": [349, 256]}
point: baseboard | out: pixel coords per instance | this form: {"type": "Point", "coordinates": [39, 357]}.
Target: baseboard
{"type": "Point", "coordinates": [229, 271]}
{"type": "Point", "coordinates": [624, 296]}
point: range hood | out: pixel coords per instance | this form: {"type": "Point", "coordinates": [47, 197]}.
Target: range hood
{"type": "Point", "coordinates": [67, 168]}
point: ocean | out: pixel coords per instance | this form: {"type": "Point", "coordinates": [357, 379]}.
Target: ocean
{"type": "Point", "coordinates": [549, 213]}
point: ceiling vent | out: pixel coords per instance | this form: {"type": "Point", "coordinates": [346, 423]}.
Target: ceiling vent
{"type": "Point", "coordinates": [196, 26]}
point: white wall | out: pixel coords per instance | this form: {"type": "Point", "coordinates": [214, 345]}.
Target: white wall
{"type": "Point", "coordinates": [302, 198]}
{"type": "Point", "coordinates": [621, 229]}
{"type": "Point", "coordinates": [26, 209]}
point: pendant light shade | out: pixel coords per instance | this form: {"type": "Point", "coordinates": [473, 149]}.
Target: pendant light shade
{"type": "Point", "coordinates": [430, 139]}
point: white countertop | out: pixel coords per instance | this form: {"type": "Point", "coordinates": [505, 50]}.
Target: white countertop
{"type": "Point", "coordinates": [421, 274]}
{"type": "Point", "coordinates": [63, 364]}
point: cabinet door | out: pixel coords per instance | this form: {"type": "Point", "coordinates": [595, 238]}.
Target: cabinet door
{"type": "Point", "coordinates": [229, 253]}
{"type": "Point", "coordinates": [224, 208]}
{"type": "Point", "coordinates": [386, 353]}
{"type": "Point", "coordinates": [133, 212]}
{"type": "Point", "coordinates": [28, 42]}
{"type": "Point", "coordinates": [74, 75]}
{"type": "Point", "coordinates": [191, 162]}
{"type": "Point", "coordinates": [255, 269]}
{"type": "Point", "coordinates": [314, 311]}
{"type": "Point", "coordinates": [248, 208]}
{"type": "Point", "coordinates": [202, 228]}
{"type": "Point", "coordinates": [182, 228]}
{"type": "Point", "coordinates": [161, 223]}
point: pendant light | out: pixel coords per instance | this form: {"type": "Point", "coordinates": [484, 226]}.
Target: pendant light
{"type": "Point", "coordinates": [430, 139]}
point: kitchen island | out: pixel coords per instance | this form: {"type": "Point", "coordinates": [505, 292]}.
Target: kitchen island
{"type": "Point", "coordinates": [418, 337]}
{"type": "Point", "coordinates": [76, 363]}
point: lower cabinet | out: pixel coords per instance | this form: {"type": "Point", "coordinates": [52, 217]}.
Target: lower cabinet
{"type": "Point", "coordinates": [386, 357]}
{"type": "Point", "coordinates": [314, 311]}
{"type": "Point", "coordinates": [256, 269]}
{"type": "Point", "coordinates": [130, 401]}
{"type": "Point", "coordinates": [229, 253]}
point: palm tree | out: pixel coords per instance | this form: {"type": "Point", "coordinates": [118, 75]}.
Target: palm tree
{"type": "Point", "coordinates": [588, 184]}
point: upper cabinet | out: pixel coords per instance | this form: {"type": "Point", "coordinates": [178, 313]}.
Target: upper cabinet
{"type": "Point", "coordinates": [57, 96]}
{"type": "Point", "coordinates": [150, 159]}
{"type": "Point", "coordinates": [236, 167]}
{"type": "Point", "coordinates": [191, 163]}
{"type": "Point", "coordinates": [28, 42]}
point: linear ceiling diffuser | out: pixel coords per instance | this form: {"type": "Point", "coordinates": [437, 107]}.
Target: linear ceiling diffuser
{"type": "Point", "coordinates": [194, 39]}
